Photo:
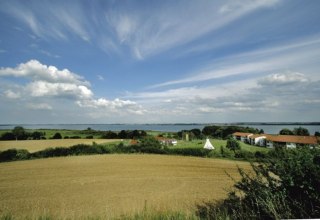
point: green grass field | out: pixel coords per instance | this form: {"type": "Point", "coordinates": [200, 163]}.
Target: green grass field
{"type": "Point", "coordinates": [107, 186]}
{"type": "Point", "coordinates": [217, 145]}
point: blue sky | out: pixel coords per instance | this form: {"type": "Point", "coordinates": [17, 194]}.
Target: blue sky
{"type": "Point", "coordinates": [159, 61]}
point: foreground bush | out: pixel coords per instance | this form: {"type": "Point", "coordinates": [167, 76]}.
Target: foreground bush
{"type": "Point", "coordinates": [287, 186]}
{"type": "Point", "coordinates": [14, 154]}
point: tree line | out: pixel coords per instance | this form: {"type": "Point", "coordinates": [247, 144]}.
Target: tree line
{"type": "Point", "coordinates": [19, 133]}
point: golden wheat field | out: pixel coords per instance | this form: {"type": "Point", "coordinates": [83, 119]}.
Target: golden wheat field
{"type": "Point", "coordinates": [110, 185]}
{"type": "Point", "coordinates": [36, 145]}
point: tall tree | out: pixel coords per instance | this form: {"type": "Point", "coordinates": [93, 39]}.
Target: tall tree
{"type": "Point", "coordinates": [19, 133]}
{"type": "Point", "coordinates": [286, 131]}
{"type": "Point", "coordinates": [233, 145]}
{"type": "Point", "coordinates": [301, 131]}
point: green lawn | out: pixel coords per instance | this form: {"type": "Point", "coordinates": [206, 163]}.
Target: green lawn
{"type": "Point", "coordinates": [217, 145]}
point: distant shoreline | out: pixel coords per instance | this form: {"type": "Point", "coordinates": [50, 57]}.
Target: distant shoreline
{"type": "Point", "coordinates": [165, 124]}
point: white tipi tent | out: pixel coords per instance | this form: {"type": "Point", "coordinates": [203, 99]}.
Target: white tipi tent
{"type": "Point", "coordinates": [208, 145]}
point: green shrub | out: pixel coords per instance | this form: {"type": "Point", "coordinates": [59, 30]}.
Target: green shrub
{"type": "Point", "coordinates": [287, 186]}
{"type": "Point", "coordinates": [198, 152]}
{"type": "Point", "coordinates": [244, 154]}
{"type": "Point", "coordinates": [57, 136]}
{"type": "Point", "coordinates": [14, 154]}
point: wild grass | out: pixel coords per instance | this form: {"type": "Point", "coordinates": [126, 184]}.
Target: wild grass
{"type": "Point", "coordinates": [113, 186]}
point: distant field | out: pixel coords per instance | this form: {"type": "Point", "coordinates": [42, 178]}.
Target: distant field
{"type": "Point", "coordinates": [109, 185]}
{"type": "Point", "coordinates": [36, 145]}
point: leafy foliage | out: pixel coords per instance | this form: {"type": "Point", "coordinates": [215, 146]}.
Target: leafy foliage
{"type": "Point", "coordinates": [57, 136]}
{"type": "Point", "coordinates": [233, 145]}
{"type": "Point", "coordinates": [287, 186]}
{"type": "Point", "coordinates": [286, 131]}
{"type": "Point", "coordinates": [301, 131]}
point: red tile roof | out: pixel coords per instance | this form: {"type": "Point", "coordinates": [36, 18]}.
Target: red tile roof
{"type": "Point", "coordinates": [293, 139]}
{"type": "Point", "coordinates": [241, 134]}
{"type": "Point", "coordinates": [257, 135]}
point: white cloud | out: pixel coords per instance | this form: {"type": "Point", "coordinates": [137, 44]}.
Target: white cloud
{"type": "Point", "coordinates": [48, 83]}
{"type": "Point", "coordinates": [63, 18]}
{"type": "Point", "coordinates": [100, 77]}
{"type": "Point", "coordinates": [283, 78]}
{"type": "Point", "coordinates": [162, 28]}
{"type": "Point", "coordinates": [115, 106]}
{"type": "Point", "coordinates": [39, 106]}
{"type": "Point", "coordinates": [36, 71]}
{"type": "Point", "coordinates": [12, 95]}
{"type": "Point", "coordinates": [42, 88]}
{"type": "Point", "coordinates": [260, 61]}
{"type": "Point", "coordinates": [144, 32]}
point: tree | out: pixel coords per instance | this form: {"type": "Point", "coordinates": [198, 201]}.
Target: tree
{"type": "Point", "coordinates": [209, 130]}
{"type": "Point", "coordinates": [233, 145]}
{"type": "Point", "coordinates": [301, 131]}
{"type": "Point", "coordinates": [37, 135]}
{"type": "Point", "coordinates": [150, 142]}
{"type": "Point", "coordinates": [286, 186]}
{"type": "Point", "coordinates": [122, 134]}
{"type": "Point", "coordinates": [196, 132]}
{"type": "Point", "coordinates": [8, 136]}
{"type": "Point", "coordinates": [57, 136]}
{"type": "Point", "coordinates": [261, 131]}
{"type": "Point", "coordinates": [286, 131]}
{"type": "Point", "coordinates": [317, 133]}
{"type": "Point", "coordinates": [19, 133]}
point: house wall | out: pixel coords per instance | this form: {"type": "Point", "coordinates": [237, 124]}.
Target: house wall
{"type": "Point", "coordinates": [291, 145]}
{"type": "Point", "coordinates": [236, 138]}
{"type": "Point", "coordinates": [260, 141]}
{"type": "Point", "coordinates": [269, 144]}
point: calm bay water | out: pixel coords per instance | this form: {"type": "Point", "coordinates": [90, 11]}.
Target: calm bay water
{"type": "Point", "coordinates": [269, 129]}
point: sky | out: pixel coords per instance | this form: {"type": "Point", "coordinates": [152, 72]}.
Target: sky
{"type": "Point", "coordinates": [155, 61]}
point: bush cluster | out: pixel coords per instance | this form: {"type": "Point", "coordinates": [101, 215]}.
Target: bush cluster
{"type": "Point", "coordinates": [285, 186]}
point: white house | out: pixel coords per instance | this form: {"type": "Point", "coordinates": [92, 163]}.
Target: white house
{"type": "Point", "coordinates": [258, 139]}
{"type": "Point", "coordinates": [241, 136]}
{"type": "Point", "coordinates": [167, 141]}
{"type": "Point", "coordinates": [290, 141]}
{"type": "Point", "coordinates": [268, 140]}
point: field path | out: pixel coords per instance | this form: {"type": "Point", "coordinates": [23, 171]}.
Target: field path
{"type": "Point", "coordinates": [36, 145]}
{"type": "Point", "coordinates": [110, 185]}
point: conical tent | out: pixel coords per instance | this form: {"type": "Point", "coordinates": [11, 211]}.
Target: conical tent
{"type": "Point", "coordinates": [208, 145]}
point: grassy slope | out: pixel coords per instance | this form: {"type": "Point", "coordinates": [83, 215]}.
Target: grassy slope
{"type": "Point", "coordinates": [110, 185]}
{"type": "Point", "coordinates": [217, 144]}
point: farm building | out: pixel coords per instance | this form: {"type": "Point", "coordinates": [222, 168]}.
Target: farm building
{"type": "Point", "coordinates": [167, 141]}
{"type": "Point", "coordinates": [241, 136]}
{"type": "Point", "coordinates": [267, 140]}
{"type": "Point", "coordinates": [258, 139]}
{"type": "Point", "coordinates": [291, 141]}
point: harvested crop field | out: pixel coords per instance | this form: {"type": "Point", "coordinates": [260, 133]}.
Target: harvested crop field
{"type": "Point", "coordinates": [107, 186]}
{"type": "Point", "coordinates": [36, 145]}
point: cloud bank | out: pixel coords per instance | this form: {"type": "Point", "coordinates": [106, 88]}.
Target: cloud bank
{"type": "Point", "coordinates": [47, 84]}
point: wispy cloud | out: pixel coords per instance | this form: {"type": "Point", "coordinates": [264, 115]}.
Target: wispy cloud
{"type": "Point", "coordinates": [260, 61]}
{"type": "Point", "coordinates": [148, 33]}
{"type": "Point", "coordinates": [144, 32]}
{"type": "Point", "coordinates": [50, 19]}
{"type": "Point", "coordinates": [101, 78]}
